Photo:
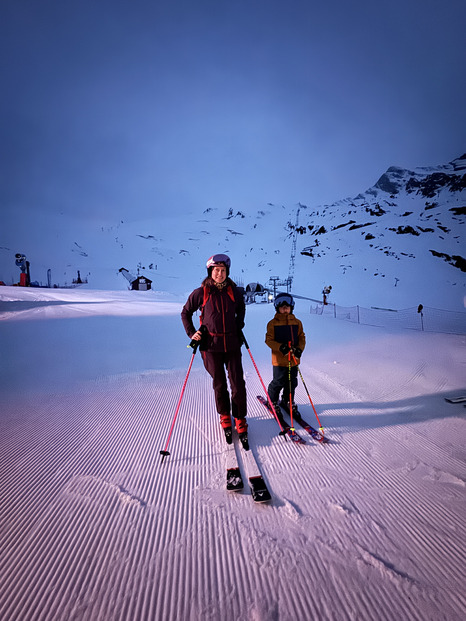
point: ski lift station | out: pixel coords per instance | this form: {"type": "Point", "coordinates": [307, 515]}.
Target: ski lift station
{"type": "Point", "coordinates": [256, 293]}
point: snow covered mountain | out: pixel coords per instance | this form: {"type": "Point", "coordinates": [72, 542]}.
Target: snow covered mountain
{"type": "Point", "coordinates": [395, 245]}
{"type": "Point", "coordinates": [400, 242]}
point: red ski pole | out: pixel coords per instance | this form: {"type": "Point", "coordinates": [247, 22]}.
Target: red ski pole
{"type": "Point", "coordinates": [164, 452]}
{"type": "Point", "coordinates": [321, 429]}
{"type": "Point", "coordinates": [293, 430]}
{"type": "Point", "coordinates": [282, 432]}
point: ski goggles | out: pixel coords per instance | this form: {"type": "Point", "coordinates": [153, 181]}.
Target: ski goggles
{"type": "Point", "coordinates": [283, 300]}
{"type": "Point", "coordinates": [218, 259]}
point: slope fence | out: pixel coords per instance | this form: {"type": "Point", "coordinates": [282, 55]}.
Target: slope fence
{"type": "Point", "coordinates": [421, 318]}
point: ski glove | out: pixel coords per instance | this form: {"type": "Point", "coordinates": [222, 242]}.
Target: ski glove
{"type": "Point", "coordinates": [297, 351]}
{"type": "Point", "coordinates": [284, 348]}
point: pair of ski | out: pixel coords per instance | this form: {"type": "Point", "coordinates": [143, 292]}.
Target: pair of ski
{"type": "Point", "coordinates": [291, 433]}
{"type": "Point", "coordinates": [257, 485]}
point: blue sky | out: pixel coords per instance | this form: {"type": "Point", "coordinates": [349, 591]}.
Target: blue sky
{"type": "Point", "coordinates": [129, 109]}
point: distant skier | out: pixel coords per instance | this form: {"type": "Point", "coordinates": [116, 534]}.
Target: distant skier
{"type": "Point", "coordinates": [222, 319]}
{"type": "Point", "coordinates": [284, 334]}
{"type": "Point", "coordinates": [326, 292]}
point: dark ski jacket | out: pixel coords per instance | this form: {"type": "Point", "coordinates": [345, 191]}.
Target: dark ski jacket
{"type": "Point", "coordinates": [222, 313]}
{"type": "Point", "coordinates": [284, 328]}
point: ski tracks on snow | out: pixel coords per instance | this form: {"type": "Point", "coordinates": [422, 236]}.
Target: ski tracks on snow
{"type": "Point", "coordinates": [94, 526]}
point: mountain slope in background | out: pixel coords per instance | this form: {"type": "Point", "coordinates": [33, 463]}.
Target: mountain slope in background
{"type": "Point", "coordinates": [396, 245]}
{"type": "Point", "coordinates": [401, 239]}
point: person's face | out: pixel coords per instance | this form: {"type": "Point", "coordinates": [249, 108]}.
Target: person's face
{"type": "Point", "coordinates": [284, 309]}
{"type": "Point", "coordinates": [219, 273]}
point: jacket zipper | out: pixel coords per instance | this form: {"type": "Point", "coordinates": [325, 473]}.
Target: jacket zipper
{"type": "Point", "coordinates": [223, 321]}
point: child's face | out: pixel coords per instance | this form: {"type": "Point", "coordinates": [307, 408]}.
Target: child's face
{"type": "Point", "coordinates": [284, 309]}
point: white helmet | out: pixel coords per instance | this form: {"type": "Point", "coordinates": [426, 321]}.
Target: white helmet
{"type": "Point", "coordinates": [218, 260]}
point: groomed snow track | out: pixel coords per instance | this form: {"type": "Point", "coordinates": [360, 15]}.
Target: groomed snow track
{"type": "Point", "coordinates": [94, 527]}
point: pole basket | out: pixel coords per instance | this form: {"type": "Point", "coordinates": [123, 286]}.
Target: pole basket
{"type": "Point", "coordinates": [164, 454]}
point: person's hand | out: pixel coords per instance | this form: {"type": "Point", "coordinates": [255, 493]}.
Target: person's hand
{"type": "Point", "coordinates": [297, 351]}
{"type": "Point", "coordinates": [284, 348]}
{"type": "Point", "coordinates": [198, 337]}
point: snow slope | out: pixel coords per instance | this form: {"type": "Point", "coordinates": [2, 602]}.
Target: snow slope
{"type": "Point", "coordinates": [94, 527]}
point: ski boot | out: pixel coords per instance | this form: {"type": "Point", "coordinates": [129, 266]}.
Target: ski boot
{"type": "Point", "coordinates": [278, 412]}
{"type": "Point", "coordinates": [286, 406]}
{"type": "Point", "coordinates": [225, 421]}
{"type": "Point", "coordinates": [242, 429]}
{"type": "Point", "coordinates": [243, 438]}
{"type": "Point", "coordinates": [228, 431]}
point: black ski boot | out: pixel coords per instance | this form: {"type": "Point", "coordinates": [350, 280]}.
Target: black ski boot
{"type": "Point", "coordinates": [296, 412]}
{"type": "Point", "coordinates": [279, 414]}
{"type": "Point", "coordinates": [286, 406]}
{"type": "Point", "coordinates": [243, 437]}
{"type": "Point", "coordinates": [228, 431]}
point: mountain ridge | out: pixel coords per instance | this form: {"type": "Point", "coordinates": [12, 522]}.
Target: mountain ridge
{"type": "Point", "coordinates": [397, 244]}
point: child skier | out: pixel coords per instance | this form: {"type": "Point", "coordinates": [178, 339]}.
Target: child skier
{"type": "Point", "coordinates": [285, 337]}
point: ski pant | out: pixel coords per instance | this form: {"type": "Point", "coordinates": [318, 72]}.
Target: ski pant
{"type": "Point", "coordinates": [215, 364]}
{"type": "Point", "coordinates": [281, 380]}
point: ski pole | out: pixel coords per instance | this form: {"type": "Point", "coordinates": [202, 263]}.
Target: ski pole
{"type": "Point", "coordinates": [307, 392]}
{"type": "Point", "coordinates": [293, 431]}
{"type": "Point", "coordinates": [164, 452]}
{"type": "Point", "coordinates": [282, 432]}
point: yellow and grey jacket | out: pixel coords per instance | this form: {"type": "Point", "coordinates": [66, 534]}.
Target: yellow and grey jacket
{"type": "Point", "coordinates": [284, 328]}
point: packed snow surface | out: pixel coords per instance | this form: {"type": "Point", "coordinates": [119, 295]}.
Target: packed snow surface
{"type": "Point", "coordinates": [95, 527]}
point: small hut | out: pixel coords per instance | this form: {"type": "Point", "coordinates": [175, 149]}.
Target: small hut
{"type": "Point", "coordinates": [138, 283]}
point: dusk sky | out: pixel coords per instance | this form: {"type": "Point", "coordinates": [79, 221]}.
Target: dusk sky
{"type": "Point", "coordinates": [135, 108]}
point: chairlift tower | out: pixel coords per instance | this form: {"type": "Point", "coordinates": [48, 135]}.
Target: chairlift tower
{"type": "Point", "coordinates": [275, 281]}
{"type": "Point", "coordinates": [293, 249]}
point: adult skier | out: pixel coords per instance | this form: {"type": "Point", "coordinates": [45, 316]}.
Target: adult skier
{"type": "Point", "coordinates": [220, 338]}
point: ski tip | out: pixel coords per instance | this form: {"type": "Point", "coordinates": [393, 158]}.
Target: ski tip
{"type": "Point", "coordinates": [263, 496]}
{"type": "Point", "coordinates": [259, 490]}
{"type": "Point", "coordinates": [234, 480]}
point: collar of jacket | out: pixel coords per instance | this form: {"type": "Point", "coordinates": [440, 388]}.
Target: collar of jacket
{"type": "Point", "coordinates": [283, 318]}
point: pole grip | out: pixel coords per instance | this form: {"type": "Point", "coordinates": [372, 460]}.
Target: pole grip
{"type": "Point", "coordinates": [195, 344]}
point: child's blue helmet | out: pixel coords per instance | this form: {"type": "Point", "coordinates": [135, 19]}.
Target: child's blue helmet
{"type": "Point", "coordinates": [284, 299]}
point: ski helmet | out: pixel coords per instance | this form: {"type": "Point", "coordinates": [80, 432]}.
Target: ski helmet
{"type": "Point", "coordinates": [283, 299]}
{"type": "Point", "coordinates": [217, 260]}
